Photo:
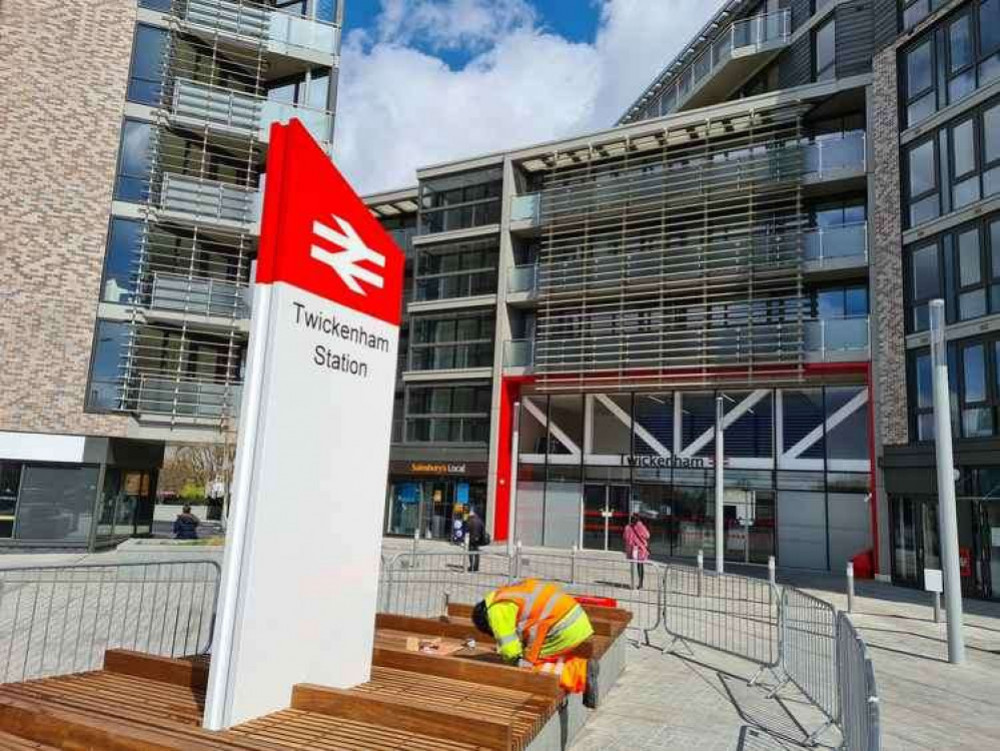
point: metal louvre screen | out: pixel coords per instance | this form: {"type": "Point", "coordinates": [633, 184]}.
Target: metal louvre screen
{"type": "Point", "coordinates": [675, 256]}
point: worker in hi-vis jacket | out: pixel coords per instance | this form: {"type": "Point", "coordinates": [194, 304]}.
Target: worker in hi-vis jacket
{"type": "Point", "coordinates": [537, 624]}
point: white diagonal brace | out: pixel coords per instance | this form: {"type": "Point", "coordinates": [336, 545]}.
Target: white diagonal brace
{"type": "Point", "coordinates": [558, 432]}
{"type": "Point", "coordinates": [640, 431]}
{"type": "Point", "coordinates": [831, 422]}
{"type": "Point", "coordinates": [728, 419]}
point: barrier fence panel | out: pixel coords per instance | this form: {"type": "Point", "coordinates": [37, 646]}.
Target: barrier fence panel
{"type": "Point", "coordinates": [859, 707]}
{"type": "Point", "coordinates": [733, 614]}
{"type": "Point", "coordinates": [613, 577]}
{"type": "Point", "coordinates": [56, 620]}
{"type": "Point", "coordinates": [809, 649]}
{"type": "Point", "coordinates": [417, 584]}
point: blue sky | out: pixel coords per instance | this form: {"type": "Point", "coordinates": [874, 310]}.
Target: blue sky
{"type": "Point", "coordinates": [575, 20]}
{"type": "Point", "coordinates": [429, 81]}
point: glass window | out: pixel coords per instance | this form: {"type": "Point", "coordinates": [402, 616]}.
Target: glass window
{"type": "Point", "coordinates": [963, 148]}
{"type": "Point", "coordinates": [989, 27]}
{"type": "Point", "coordinates": [326, 10]}
{"type": "Point", "coordinates": [926, 273]}
{"type": "Point", "coordinates": [120, 260]}
{"type": "Point", "coordinates": [146, 73]}
{"type": "Point", "coordinates": [991, 134]}
{"type": "Point", "coordinates": [974, 373]}
{"type": "Point", "coordinates": [319, 91]}
{"type": "Point", "coordinates": [110, 340]}
{"type": "Point", "coordinates": [826, 51]}
{"type": "Point", "coordinates": [969, 262]}
{"type": "Point", "coordinates": [919, 69]}
{"type": "Point", "coordinates": [132, 182]}
{"type": "Point", "coordinates": [10, 485]}
{"type": "Point", "coordinates": [160, 5]}
{"type": "Point", "coordinates": [960, 44]}
{"type": "Point", "coordinates": [922, 174]}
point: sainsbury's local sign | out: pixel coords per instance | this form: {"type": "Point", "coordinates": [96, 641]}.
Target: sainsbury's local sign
{"type": "Point", "coordinates": [300, 576]}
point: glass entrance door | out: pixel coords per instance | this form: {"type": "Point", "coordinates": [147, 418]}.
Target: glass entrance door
{"type": "Point", "coordinates": [605, 514]}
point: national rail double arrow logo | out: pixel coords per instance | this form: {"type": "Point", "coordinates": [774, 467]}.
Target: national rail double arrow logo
{"type": "Point", "coordinates": [354, 250]}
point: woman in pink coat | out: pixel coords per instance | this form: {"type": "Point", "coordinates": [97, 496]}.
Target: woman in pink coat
{"type": "Point", "coordinates": [636, 538]}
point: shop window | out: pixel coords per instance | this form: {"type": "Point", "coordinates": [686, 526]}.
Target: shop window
{"type": "Point", "coordinates": [10, 486]}
{"type": "Point", "coordinates": [56, 503]}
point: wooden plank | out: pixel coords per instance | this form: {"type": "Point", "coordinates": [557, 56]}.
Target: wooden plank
{"type": "Point", "coordinates": [393, 713]}
{"type": "Point", "coordinates": [186, 673]}
{"type": "Point", "coordinates": [460, 669]}
{"type": "Point", "coordinates": [431, 627]}
{"type": "Point", "coordinates": [62, 728]}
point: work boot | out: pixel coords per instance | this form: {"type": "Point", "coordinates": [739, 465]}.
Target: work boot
{"type": "Point", "coordinates": [590, 692]}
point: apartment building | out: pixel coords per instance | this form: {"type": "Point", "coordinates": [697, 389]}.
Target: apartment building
{"type": "Point", "coordinates": [732, 236]}
{"type": "Point", "coordinates": [135, 138]}
{"type": "Point", "coordinates": [936, 147]}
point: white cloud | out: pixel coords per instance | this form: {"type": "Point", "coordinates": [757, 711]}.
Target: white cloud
{"type": "Point", "coordinates": [402, 107]}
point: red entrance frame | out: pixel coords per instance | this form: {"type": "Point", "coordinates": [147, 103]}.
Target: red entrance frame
{"type": "Point", "coordinates": [510, 392]}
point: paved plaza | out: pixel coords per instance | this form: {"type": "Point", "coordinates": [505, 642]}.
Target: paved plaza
{"type": "Point", "coordinates": [693, 698]}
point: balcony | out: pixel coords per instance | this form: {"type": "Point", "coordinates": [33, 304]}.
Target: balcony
{"type": "Point", "coordinates": [177, 293]}
{"type": "Point", "coordinates": [836, 248]}
{"type": "Point", "coordinates": [250, 24]}
{"type": "Point", "coordinates": [227, 111]}
{"type": "Point", "coordinates": [198, 201]}
{"type": "Point", "coordinates": [733, 55]}
{"type": "Point", "coordinates": [188, 398]}
{"type": "Point", "coordinates": [526, 208]}
{"type": "Point", "coordinates": [836, 339]}
{"type": "Point", "coordinates": [522, 279]}
{"type": "Point", "coordinates": [834, 158]}
{"type": "Point", "coordinates": [518, 353]}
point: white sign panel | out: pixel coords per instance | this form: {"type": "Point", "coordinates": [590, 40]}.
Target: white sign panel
{"type": "Point", "coordinates": [300, 578]}
{"type": "Point", "coordinates": [933, 580]}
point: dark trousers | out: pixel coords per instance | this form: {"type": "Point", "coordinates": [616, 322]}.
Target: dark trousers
{"type": "Point", "coordinates": [473, 558]}
{"type": "Point", "coordinates": [641, 570]}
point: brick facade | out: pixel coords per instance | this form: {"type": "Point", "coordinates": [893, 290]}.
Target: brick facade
{"type": "Point", "coordinates": [888, 313]}
{"type": "Point", "coordinates": [63, 72]}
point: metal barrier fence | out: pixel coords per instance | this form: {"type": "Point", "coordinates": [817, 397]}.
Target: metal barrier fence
{"type": "Point", "coordinates": [418, 584]}
{"type": "Point", "coordinates": [60, 619]}
{"type": "Point", "coordinates": [732, 614]}
{"type": "Point", "coordinates": [800, 638]}
{"type": "Point", "coordinates": [859, 705]}
{"type": "Point", "coordinates": [809, 649]}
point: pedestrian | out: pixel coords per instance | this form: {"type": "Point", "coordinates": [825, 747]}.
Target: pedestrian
{"type": "Point", "coordinates": [186, 525]}
{"type": "Point", "coordinates": [476, 531]}
{"type": "Point", "coordinates": [636, 538]}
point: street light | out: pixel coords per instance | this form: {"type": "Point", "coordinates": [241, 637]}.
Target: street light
{"type": "Point", "coordinates": [947, 513]}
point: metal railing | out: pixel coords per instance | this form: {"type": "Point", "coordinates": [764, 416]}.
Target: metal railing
{"type": "Point", "coordinates": [208, 200]}
{"type": "Point", "coordinates": [826, 336]}
{"type": "Point", "coordinates": [60, 619]}
{"type": "Point", "coordinates": [210, 297]}
{"type": "Point", "coordinates": [526, 208]}
{"type": "Point", "coordinates": [745, 36]}
{"type": "Point", "coordinates": [518, 353]}
{"type": "Point", "coordinates": [829, 156]}
{"type": "Point", "coordinates": [182, 397]}
{"type": "Point", "coordinates": [282, 32]}
{"type": "Point", "coordinates": [522, 278]}
{"type": "Point", "coordinates": [833, 245]}
{"type": "Point", "coordinates": [800, 640]}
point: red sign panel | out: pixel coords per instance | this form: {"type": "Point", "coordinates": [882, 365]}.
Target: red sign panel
{"type": "Point", "coordinates": [318, 235]}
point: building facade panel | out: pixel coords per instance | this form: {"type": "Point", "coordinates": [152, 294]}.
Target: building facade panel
{"type": "Point", "coordinates": [64, 69]}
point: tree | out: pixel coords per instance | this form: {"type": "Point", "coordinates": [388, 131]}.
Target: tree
{"type": "Point", "coordinates": [198, 466]}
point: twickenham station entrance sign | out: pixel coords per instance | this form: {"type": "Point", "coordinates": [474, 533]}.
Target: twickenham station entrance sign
{"type": "Point", "coordinates": [300, 576]}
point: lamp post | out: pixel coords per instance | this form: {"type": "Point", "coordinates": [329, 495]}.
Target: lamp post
{"type": "Point", "coordinates": [720, 527]}
{"type": "Point", "coordinates": [512, 489]}
{"type": "Point", "coordinates": [947, 513]}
